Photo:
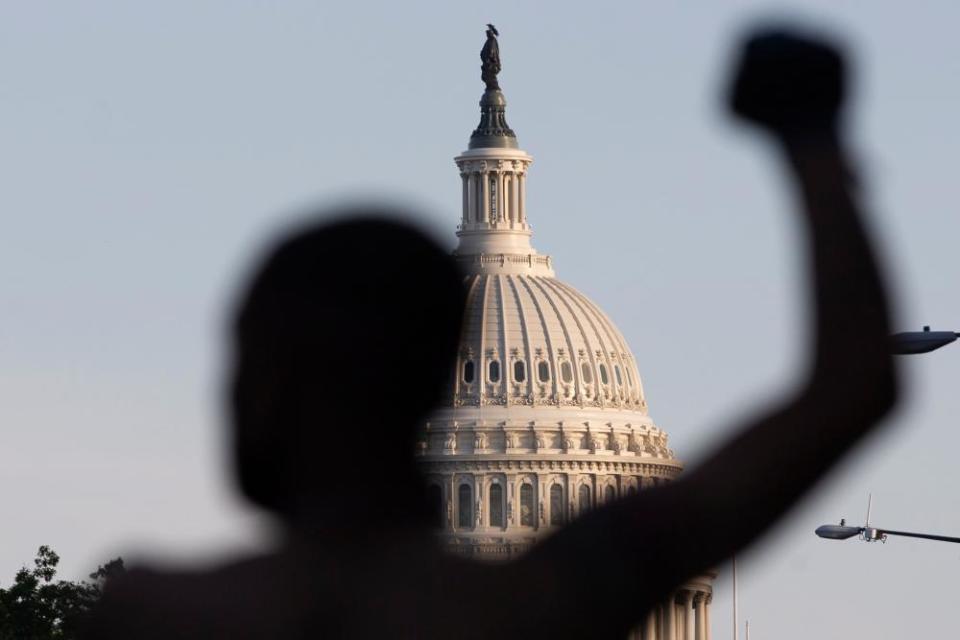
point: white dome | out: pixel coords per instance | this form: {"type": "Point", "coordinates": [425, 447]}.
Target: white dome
{"type": "Point", "coordinates": [534, 340]}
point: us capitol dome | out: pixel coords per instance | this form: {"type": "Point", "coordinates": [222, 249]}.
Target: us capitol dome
{"type": "Point", "coordinates": [544, 417]}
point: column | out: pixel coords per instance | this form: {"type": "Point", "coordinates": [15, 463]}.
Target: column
{"type": "Point", "coordinates": [650, 627]}
{"type": "Point", "coordinates": [688, 622]}
{"type": "Point", "coordinates": [700, 604]}
{"type": "Point", "coordinates": [501, 197]}
{"type": "Point", "coordinates": [465, 178]}
{"type": "Point", "coordinates": [451, 507]}
{"type": "Point", "coordinates": [470, 215]}
{"type": "Point", "coordinates": [484, 197]}
{"type": "Point", "coordinates": [522, 196]}
{"type": "Point", "coordinates": [670, 618]}
{"type": "Point", "coordinates": [481, 517]}
{"type": "Point", "coordinates": [507, 198]}
{"type": "Point", "coordinates": [514, 197]}
{"type": "Point", "coordinates": [706, 616]}
{"type": "Point", "coordinates": [513, 503]}
{"type": "Point", "coordinates": [478, 198]}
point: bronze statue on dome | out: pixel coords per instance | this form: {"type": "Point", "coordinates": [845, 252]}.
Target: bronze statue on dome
{"type": "Point", "coordinates": [490, 55]}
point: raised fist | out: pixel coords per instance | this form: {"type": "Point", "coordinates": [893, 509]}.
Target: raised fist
{"type": "Point", "coordinates": [788, 83]}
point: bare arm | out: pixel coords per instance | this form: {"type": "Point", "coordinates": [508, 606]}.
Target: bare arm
{"type": "Point", "coordinates": [642, 548]}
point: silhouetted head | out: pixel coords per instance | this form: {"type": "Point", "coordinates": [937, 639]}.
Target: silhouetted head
{"type": "Point", "coordinates": [343, 342]}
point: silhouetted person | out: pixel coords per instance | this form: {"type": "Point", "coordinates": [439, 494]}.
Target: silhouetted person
{"type": "Point", "coordinates": [342, 344]}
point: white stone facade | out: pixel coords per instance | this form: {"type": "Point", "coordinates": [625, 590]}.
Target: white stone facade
{"type": "Point", "coordinates": [545, 416]}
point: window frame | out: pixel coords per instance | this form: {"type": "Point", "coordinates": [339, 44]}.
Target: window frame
{"type": "Point", "coordinates": [496, 500]}
{"type": "Point", "coordinates": [465, 509]}
{"type": "Point", "coordinates": [491, 366]}
{"type": "Point", "coordinates": [587, 371]}
{"type": "Point", "coordinates": [543, 366]}
{"type": "Point", "coordinates": [521, 366]}
{"type": "Point", "coordinates": [527, 493]}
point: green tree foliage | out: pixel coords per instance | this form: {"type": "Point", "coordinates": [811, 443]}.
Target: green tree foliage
{"type": "Point", "coordinates": [35, 607]}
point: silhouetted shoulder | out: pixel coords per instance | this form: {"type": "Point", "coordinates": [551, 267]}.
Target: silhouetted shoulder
{"type": "Point", "coordinates": [249, 599]}
{"type": "Point", "coordinates": [391, 585]}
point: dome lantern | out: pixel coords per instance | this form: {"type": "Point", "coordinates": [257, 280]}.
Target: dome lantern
{"type": "Point", "coordinates": [493, 171]}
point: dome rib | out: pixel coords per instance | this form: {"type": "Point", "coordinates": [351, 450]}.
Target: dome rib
{"type": "Point", "coordinates": [539, 283]}
{"type": "Point", "coordinates": [482, 351]}
{"type": "Point", "coordinates": [603, 349]}
{"type": "Point", "coordinates": [469, 322]}
{"type": "Point", "coordinates": [612, 332]}
{"type": "Point", "coordinates": [504, 355]}
{"type": "Point", "coordinates": [615, 345]}
{"type": "Point", "coordinates": [525, 331]}
{"type": "Point", "coordinates": [548, 342]}
{"type": "Point", "coordinates": [587, 348]}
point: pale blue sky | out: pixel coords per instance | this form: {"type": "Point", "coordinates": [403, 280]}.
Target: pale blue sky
{"type": "Point", "coordinates": [146, 150]}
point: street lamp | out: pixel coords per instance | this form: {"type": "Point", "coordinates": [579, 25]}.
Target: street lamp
{"type": "Point", "coordinates": [912, 342]}
{"type": "Point", "coordinates": [903, 343]}
{"type": "Point", "coordinates": [873, 534]}
{"type": "Point", "coordinates": [843, 531]}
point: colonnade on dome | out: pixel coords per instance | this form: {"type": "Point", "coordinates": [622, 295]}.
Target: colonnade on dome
{"type": "Point", "coordinates": [494, 191]}
{"type": "Point", "coordinates": [684, 616]}
{"type": "Point", "coordinates": [496, 509]}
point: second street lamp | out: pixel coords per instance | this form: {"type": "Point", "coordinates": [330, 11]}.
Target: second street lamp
{"type": "Point", "coordinates": [843, 531]}
{"type": "Point", "coordinates": [913, 342]}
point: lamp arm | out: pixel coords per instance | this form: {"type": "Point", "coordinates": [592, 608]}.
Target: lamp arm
{"type": "Point", "coordinates": [925, 536]}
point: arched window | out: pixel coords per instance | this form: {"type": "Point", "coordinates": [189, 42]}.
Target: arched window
{"type": "Point", "coordinates": [616, 371]}
{"type": "Point", "coordinates": [603, 374]}
{"type": "Point", "coordinates": [519, 371]}
{"type": "Point", "coordinates": [609, 494]}
{"type": "Point", "coordinates": [468, 371]}
{"type": "Point", "coordinates": [632, 491]}
{"type": "Point", "coordinates": [587, 372]}
{"type": "Point", "coordinates": [527, 508]}
{"type": "Point", "coordinates": [566, 372]}
{"type": "Point", "coordinates": [584, 499]}
{"type": "Point", "coordinates": [556, 505]}
{"type": "Point", "coordinates": [465, 507]}
{"type": "Point", "coordinates": [435, 495]}
{"type": "Point", "coordinates": [494, 371]}
{"type": "Point", "coordinates": [543, 371]}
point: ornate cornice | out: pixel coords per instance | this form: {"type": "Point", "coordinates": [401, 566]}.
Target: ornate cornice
{"type": "Point", "coordinates": [668, 469]}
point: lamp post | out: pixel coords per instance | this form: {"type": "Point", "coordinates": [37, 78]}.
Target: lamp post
{"type": "Point", "coordinates": [867, 533]}
{"type": "Point", "coordinates": [873, 534]}
{"type": "Point", "coordinates": [914, 342]}
{"type": "Point", "coordinates": [736, 624]}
